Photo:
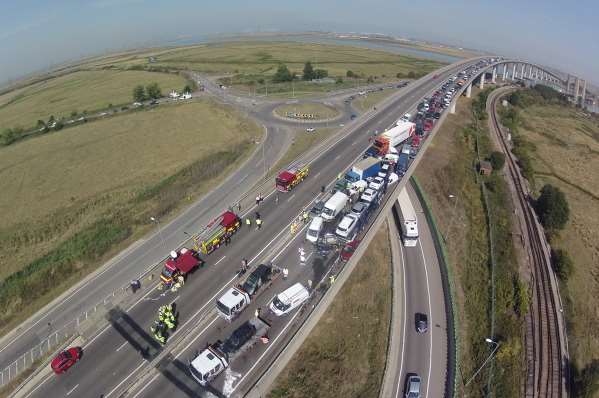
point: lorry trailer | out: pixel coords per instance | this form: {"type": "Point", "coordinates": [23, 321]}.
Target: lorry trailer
{"type": "Point", "coordinates": [393, 137]}
{"type": "Point", "coordinates": [364, 169]}
{"type": "Point", "coordinates": [407, 217]}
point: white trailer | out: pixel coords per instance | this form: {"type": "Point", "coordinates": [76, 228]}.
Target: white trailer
{"type": "Point", "coordinates": [407, 217]}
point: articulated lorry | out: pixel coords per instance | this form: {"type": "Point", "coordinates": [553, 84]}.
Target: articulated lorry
{"type": "Point", "coordinates": [391, 138]}
{"type": "Point", "coordinates": [407, 217]}
{"type": "Point", "coordinates": [217, 357]}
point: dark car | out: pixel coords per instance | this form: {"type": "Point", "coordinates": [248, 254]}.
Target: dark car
{"type": "Point", "coordinates": [353, 116]}
{"type": "Point", "coordinates": [348, 250]}
{"type": "Point", "coordinates": [437, 115]}
{"type": "Point", "coordinates": [239, 337]}
{"type": "Point", "coordinates": [257, 278]}
{"type": "Point", "coordinates": [63, 361]}
{"type": "Point", "coordinates": [317, 208]}
{"type": "Point", "coordinates": [421, 322]}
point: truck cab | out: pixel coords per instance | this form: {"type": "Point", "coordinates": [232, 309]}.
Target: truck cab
{"type": "Point", "coordinates": [179, 264]}
{"type": "Point", "coordinates": [232, 303]}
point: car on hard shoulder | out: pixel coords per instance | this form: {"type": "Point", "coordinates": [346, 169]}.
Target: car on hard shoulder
{"type": "Point", "coordinates": [64, 360]}
{"type": "Point", "coordinates": [421, 321]}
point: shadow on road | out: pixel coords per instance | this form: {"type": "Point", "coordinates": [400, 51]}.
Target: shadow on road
{"type": "Point", "coordinates": [139, 339]}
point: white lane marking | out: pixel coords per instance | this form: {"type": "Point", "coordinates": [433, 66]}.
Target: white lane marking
{"type": "Point", "coordinates": [121, 346]}
{"type": "Point", "coordinates": [72, 389]}
{"type": "Point", "coordinates": [317, 174]}
{"type": "Point", "coordinates": [266, 351]}
{"type": "Point", "coordinates": [291, 197]}
{"type": "Point", "coordinates": [430, 317]}
{"type": "Point", "coordinates": [337, 157]}
{"type": "Point", "coordinates": [222, 258]}
{"type": "Point", "coordinates": [178, 355]}
{"type": "Point", "coordinates": [405, 310]}
{"type": "Point", "coordinates": [125, 379]}
{"type": "Point", "coordinates": [175, 299]}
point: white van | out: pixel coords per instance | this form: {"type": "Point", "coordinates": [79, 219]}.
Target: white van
{"type": "Point", "coordinates": [347, 227]}
{"type": "Point", "coordinates": [288, 300]}
{"type": "Point", "coordinates": [314, 229]}
{"type": "Point", "coordinates": [334, 206]}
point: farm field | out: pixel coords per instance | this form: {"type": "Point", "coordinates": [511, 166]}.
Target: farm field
{"type": "Point", "coordinates": [110, 174]}
{"type": "Point", "coordinates": [345, 354]}
{"type": "Point", "coordinates": [79, 91]}
{"type": "Point", "coordinates": [566, 155]}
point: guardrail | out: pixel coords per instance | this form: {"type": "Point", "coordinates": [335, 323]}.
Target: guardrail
{"type": "Point", "coordinates": [453, 359]}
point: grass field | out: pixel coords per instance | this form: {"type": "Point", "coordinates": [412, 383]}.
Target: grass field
{"type": "Point", "coordinates": [345, 354]}
{"type": "Point", "coordinates": [303, 142]}
{"type": "Point", "coordinates": [247, 63]}
{"type": "Point", "coordinates": [449, 170]}
{"type": "Point", "coordinates": [79, 91]}
{"type": "Point", "coordinates": [103, 180]}
{"type": "Point", "coordinates": [567, 156]}
{"type": "Point", "coordinates": [365, 102]}
{"type": "Point", "coordinates": [320, 111]}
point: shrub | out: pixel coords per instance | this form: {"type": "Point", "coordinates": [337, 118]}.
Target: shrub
{"type": "Point", "coordinates": [350, 74]}
{"type": "Point", "coordinates": [552, 208]}
{"type": "Point", "coordinates": [497, 160]}
{"type": "Point", "coordinates": [562, 264]}
{"type": "Point", "coordinates": [282, 74]}
{"type": "Point", "coordinates": [7, 137]}
{"type": "Point", "coordinates": [586, 381]}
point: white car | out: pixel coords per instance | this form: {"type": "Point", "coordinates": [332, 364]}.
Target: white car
{"type": "Point", "coordinates": [310, 129]}
{"type": "Point", "coordinates": [368, 195]}
{"type": "Point", "coordinates": [376, 183]}
{"type": "Point", "coordinates": [347, 227]}
{"type": "Point", "coordinates": [393, 178]}
{"type": "Point", "coordinates": [406, 117]}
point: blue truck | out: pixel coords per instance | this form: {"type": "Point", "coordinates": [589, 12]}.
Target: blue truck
{"type": "Point", "coordinates": [365, 168]}
{"type": "Point", "coordinates": [403, 163]}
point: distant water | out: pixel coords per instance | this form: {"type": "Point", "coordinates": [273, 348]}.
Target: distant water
{"type": "Point", "coordinates": [375, 45]}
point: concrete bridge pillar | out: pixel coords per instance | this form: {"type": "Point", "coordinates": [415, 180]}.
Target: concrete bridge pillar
{"type": "Point", "coordinates": [494, 75]}
{"type": "Point", "coordinates": [469, 90]}
{"type": "Point", "coordinates": [514, 72]}
{"type": "Point", "coordinates": [481, 82]}
{"type": "Point", "coordinates": [576, 89]}
{"type": "Point", "coordinates": [584, 91]}
{"type": "Point", "coordinates": [504, 74]}
{"type": "Point", "coordinates": [530, 72]}
{"type": "Point", "coordinates": [452, 107]}
{"type": "Point", "coordinates": [522, 71]}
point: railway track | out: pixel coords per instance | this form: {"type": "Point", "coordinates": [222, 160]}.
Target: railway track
{"type": "Point", "coordinates": [544, 363]}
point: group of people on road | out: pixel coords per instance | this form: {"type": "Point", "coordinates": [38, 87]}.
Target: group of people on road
{"type": "Point", "coordinates": [167, 320]}
{"type": "Point", "coordinates": [257, 220]}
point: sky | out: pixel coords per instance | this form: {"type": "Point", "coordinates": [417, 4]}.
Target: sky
{"type": "Point", "coordinates": [37, 34]}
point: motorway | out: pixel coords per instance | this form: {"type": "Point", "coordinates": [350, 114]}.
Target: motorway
{"type": "Point", "coordinates": [111, 355]}
{"type": "Point", "coordinates": [418, 289]}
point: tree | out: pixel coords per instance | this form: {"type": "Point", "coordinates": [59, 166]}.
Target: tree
{"type": "Point", "coordinates": [7, 137]}
{"type": "Point", "coordinates": [586, 382]}
{"type": "Point", "coordinates": [74, 114]}
{"type": "Point", "coordinates": [399, 75]}
{"type": "Point", "coordinates": [308, 71]}
{"type": "Point", "coordinates": [282, 74]}
{"type": "Point", "coordinates": [260, 81]}
{"type": "Point", "coordinates": [562, 263]}
{"type": "Point", "coordinates": [320, 73]}
{"type": "Point", "coordinates": [497, 160]}
{"type": "Point", "coordinates": [370, 79]}
{"type": "Point", "coordinates": [139, 93]}
{"type": "Point", "coordinates": [552, 208]}
{"type": "Point", "coordinates": [350, 74]}
{"type": "Point", "coordinates": [339, 80]}
{"type": "Point", "coordinates": [187, 89]}
{"type": "Point", "coordinates": [411, 75]}
{"type": "Point", "coordinates": [153, 91]}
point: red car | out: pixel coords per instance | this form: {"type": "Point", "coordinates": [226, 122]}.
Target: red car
{"type": "Point", "coordinates": [63, 361]}
{"type": "Point", "coordinates": [348, 250]}
{"type": "Point", "coordinates": [428, 125]}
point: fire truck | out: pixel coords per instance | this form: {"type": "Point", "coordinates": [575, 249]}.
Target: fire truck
{"type": "Point", "coordinates": [289, 178]}
{"type": "Point", "coordinates": [217, 232]}
{"type": "Point", "coordinates": [180, 264]}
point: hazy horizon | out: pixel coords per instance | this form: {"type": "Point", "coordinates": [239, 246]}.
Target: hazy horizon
{"type": "Point", "coordinates": [36, 35]}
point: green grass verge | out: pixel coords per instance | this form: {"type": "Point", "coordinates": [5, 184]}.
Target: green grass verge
{"type": "Point", "coordinates": [366, 102]}
{"type": "Point", "coordinates": [345, 354]}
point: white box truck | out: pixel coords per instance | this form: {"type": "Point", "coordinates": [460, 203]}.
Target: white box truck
{"type": "Point", "coordinates": [407, 217]}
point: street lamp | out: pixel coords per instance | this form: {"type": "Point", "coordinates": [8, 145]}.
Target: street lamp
{"type": "Point", "coordinates": [490, 341]}
{"type": "Point", "coordinates": [155, 220]}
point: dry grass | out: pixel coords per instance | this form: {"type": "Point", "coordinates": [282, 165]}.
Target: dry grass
{"type": "Point", "coordinates": [320, 111]}
{"type": "Point", "coordinates": [302, 142]}
{"type": "Point", "coordinates": [345, 354]}
{"type": "Point", "coordinates": [62, 182]}
{"type": "Point", "coordinates": [567, 156]}
{"type": "Point", "coordinates": [79, 91]}
{"type": "Point", "coordinates": [366, 102]}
